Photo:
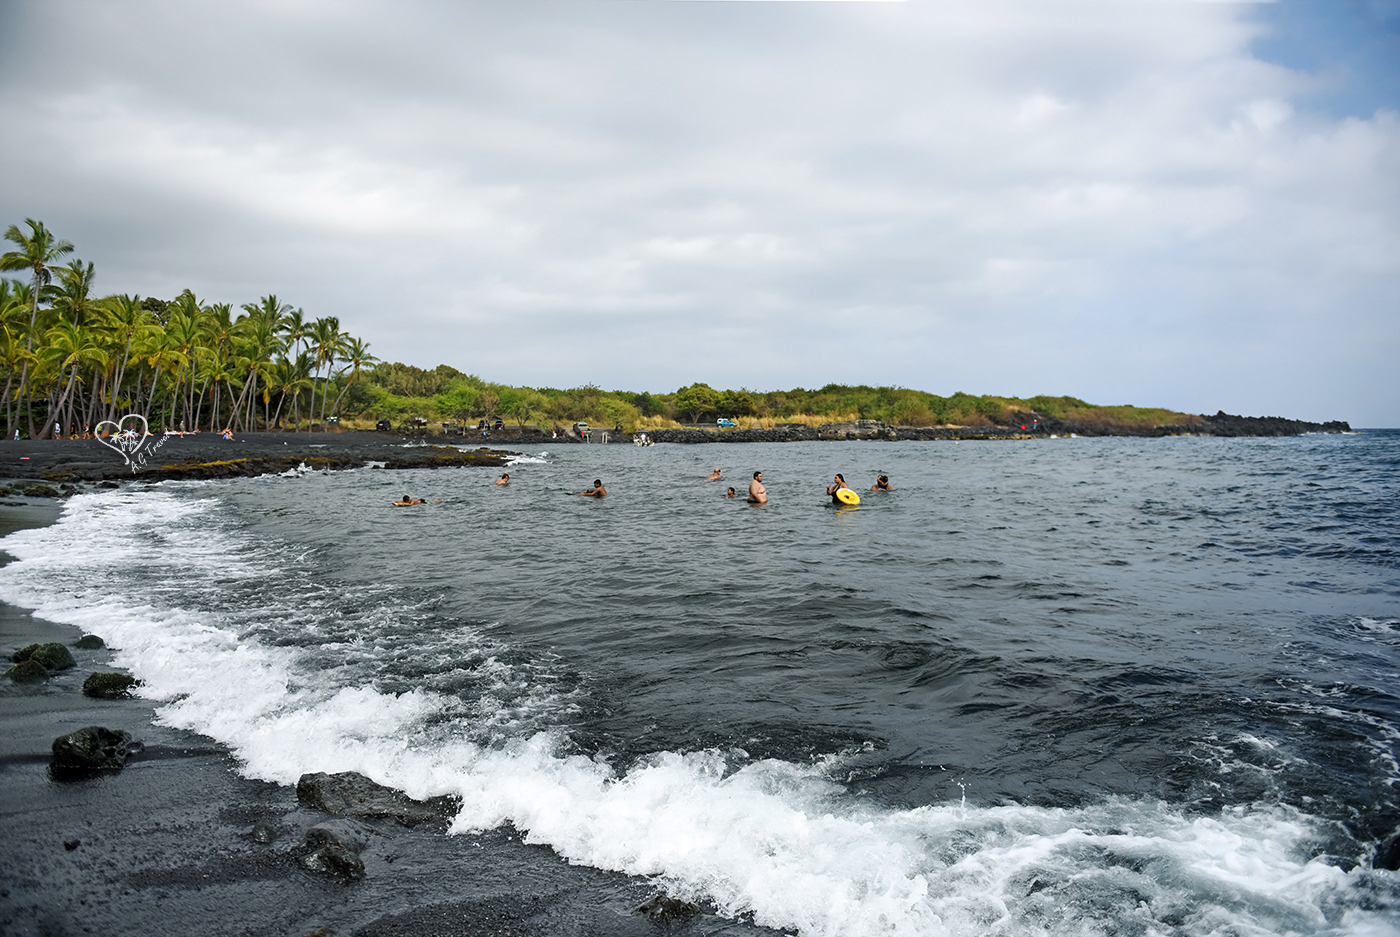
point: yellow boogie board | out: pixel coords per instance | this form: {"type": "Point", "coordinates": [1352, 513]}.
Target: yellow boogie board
{"type": "Point", "coordinates": [847, 496]}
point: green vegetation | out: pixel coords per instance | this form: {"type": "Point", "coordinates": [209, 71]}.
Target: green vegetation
{"type": "Point", "coordinates": [74, 359]}
{"type": "Point", "coordinates": [398, 391]}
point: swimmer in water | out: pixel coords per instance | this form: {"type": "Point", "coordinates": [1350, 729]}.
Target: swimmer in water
{"type": "Point", "coordinates": [835, 487]}
{"type": "Point", "coordinates": [409, 499]}
{"type": "Point", "coordinates": [730, 494]}
{"type": "Point", "coordinates": [714, 476]}
{"type": "Point", "coordinates": [597, 491]}
{"type": "Point", "coordinates": [504, 479]}
{"type": "Point", "coordinates": [882, 483]}
{"type": "Point", "coordinates": [757, 493]}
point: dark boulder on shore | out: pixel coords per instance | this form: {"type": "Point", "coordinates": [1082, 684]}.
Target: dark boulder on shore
{"type": "Point", "coordinates": [350, 794]}
{"type": "Point", "coordinates": [334, 849]}
{"type": "Point", "coordinates": [51, 656]}
{"type": "Point", "coordinates": [664, 910]}
{"type": "Point", "coordinates": [109, 685]}
{"type": "Point", "coordinates": [90, 642]}
{"type": "Point", "coordinates": [92, 750]}
{"type": "Point", "coordinates": [28, 671]}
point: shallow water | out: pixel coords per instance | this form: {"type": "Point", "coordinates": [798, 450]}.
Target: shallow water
{"type": "Point", "coordinates": [1103, 686]}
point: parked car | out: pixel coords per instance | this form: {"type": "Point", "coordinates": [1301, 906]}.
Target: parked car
{"type": "Point", "coordinates": [383, 426]}
{"type": "Point", "coordinates": [725, 423]}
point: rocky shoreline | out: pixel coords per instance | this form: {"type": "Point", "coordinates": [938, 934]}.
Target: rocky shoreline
{"type": "Point", "coordinates": [160, 835]}
{"type": "Point", "coordinates": [68, 462]}
{"type": "Point", "coordinates": [1033, 427]}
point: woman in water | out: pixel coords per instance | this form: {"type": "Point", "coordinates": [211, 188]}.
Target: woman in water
{"type": "Point", "coordinates": [835, 487]}
{"type": "Point", "coordinates": [882, 483]}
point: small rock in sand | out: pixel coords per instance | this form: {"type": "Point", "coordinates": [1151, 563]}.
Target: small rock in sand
{"type": "Point", "coordinates": [109, 685]}
{"type": "Point", "coordinates": [92, 749]}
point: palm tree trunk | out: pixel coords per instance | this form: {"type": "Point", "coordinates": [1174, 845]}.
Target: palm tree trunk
{"type": "Point", "coordinates": [9, 429]}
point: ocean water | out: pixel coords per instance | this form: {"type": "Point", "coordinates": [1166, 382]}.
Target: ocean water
{"type": "Point", "coordinates": [1048, 687]}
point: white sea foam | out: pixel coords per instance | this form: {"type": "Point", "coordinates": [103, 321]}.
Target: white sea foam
{"type": "Point", "coordinates": [529, 460]}
{"type": "Point", "coordinates": [778, 840]}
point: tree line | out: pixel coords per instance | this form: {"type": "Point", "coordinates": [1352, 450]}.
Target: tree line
{"type": "Point", "coordinates": [73, 359]}
{"type": "Point", "coordinates": [396, 391]}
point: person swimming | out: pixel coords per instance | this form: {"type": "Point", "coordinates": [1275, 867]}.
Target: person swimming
{"type": "Point", "coordinates": [597, 491]}
{"type": "Point", "coordinates": [882, 483]}
{"type": "Point", "coordinates": [714, 476]}
{"type": "Point", "coordinates": [730, 494]}
{"type": "Point", "coordinates": [504, 479]}
{"type": "Point", "coordinates": [836, 486]}
{"type": "Point", "coordinates": [407, 500]}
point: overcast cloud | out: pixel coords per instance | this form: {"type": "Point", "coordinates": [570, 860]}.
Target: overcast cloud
{"type": "Point", "coordinates": [1116, 200]}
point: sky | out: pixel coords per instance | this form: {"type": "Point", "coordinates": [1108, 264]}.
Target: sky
{"type": "Point", "coordinates": [1193, 205]}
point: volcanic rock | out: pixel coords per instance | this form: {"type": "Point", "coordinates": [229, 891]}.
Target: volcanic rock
{"type": "Point", "coordinates": [28, 671]}
{"type": "Point", "coordinates": [51, 656]}
{"type": "Point", "coordinates": [93, 749]}
{"type": "Point", "coordinates": [334, 849]}
{"type": "Point", "coordinates": [109, 685]}
{"type": "Point", "coordinates": [350, 794]}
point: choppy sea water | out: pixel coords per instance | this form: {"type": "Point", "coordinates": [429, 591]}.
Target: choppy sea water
{"type": "Point", "coordinates": [1074, 686]}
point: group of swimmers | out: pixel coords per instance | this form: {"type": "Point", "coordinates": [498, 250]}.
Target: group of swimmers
{"type": "Point", "coordinates": [758, 494]}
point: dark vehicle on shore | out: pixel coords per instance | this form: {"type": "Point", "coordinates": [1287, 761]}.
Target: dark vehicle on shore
{"type": "Point", "coordinates": [383, 426]}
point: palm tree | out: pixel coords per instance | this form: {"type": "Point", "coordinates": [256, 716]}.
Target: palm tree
{"type": "Point", "coordinates": [72, 297]}
{"type": "Point", "coordinates": [36, 251]}
{"type": "Point", "coordinates": [357, 358]}
{"type": "Point", "coordinates": [128, 321]}
{"type": "Point", "coordinates": [67, 346]}
{"type": "Point", "coordinates": [258, 335]}
{"type": "Point", "coordinates": [327, 343]}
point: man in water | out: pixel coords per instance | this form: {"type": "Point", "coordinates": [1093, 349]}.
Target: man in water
{"type": "Point", "coordinates": [882, 483]}
{"type": "Point", "coordinates": [730, 494]}
{"type": "Point", "coordinates": [504, 479]}
{"type": "Point", "coordinates": [714, 476]}
{"type": "Point", "coordinates": [835, 487]}
{"type": "Point", "coordinates": [409, 499]}
{"type": "Point", "coordinates": [757, 493]}
{"type": "Point", "coordinates": [597, 491]}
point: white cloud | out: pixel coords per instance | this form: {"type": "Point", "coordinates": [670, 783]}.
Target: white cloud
{"type": "Point", "coordinates": [1114, 200]}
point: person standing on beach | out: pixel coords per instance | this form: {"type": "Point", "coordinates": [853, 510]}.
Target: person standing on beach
{"type": "Point", "coordinates": [597, 491]}
{"type": "Point", "coordinates": [757, 493]}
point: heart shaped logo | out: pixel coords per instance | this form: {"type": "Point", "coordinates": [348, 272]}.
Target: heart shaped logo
{"type": "Point", "coordinates": [124, 439]}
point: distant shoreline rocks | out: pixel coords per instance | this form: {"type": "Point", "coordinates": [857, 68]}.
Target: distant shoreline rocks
{"type": "Point", "coordinates": [1032, 427]}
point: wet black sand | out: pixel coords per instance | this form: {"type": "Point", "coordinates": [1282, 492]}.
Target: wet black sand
{"type": "Point", "coordinates": [165, 846]}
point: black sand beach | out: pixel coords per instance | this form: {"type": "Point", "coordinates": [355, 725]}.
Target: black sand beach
{"type": "Point", "coordinates": [205, 455]}
{"type": "Point", "coordinates": [171, 843]}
